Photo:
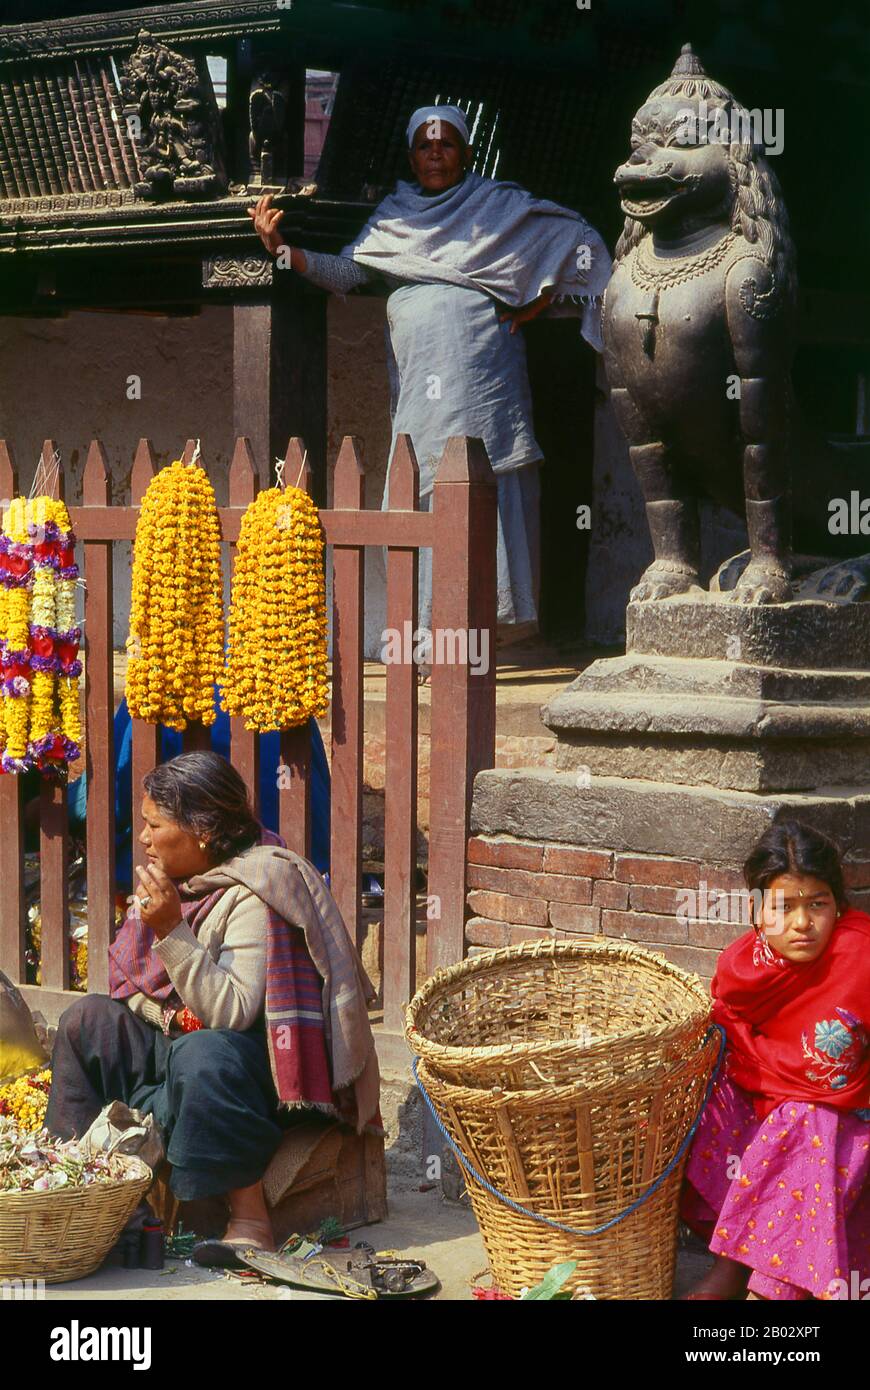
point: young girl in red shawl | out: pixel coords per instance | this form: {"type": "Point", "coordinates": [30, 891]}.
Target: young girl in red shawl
{"type": "Point", "coordinates": [778, 1178]}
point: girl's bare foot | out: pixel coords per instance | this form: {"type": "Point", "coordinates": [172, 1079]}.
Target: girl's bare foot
{"type": "Point", "coordinates": [724, 1280]}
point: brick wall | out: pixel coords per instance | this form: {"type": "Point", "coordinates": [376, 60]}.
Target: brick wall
{"type": "Point", "coordinates": [523, 889]}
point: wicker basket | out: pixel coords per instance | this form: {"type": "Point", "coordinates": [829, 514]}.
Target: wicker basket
{"type": "Point", "coordinates": [581, 1156]}
{"type": "Point", "coordinates": [553, 1012]}
{"type": "Point", "coordinates": [67, 1233]}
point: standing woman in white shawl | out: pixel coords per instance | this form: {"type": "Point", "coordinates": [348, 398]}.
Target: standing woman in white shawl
{"type": "Point", "coordinates": [467, 260]}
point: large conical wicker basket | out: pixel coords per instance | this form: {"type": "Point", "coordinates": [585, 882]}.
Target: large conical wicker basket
{"type": "Point", "coordinates": [599, 1143]}
{"type": "Point", "coordinates": [68, 1232]}
{"type": "Point", "coordinates": [555, 1012]}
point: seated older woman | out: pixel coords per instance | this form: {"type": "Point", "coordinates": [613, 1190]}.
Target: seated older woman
{"type": "Point", "coordinates": [237, 996]}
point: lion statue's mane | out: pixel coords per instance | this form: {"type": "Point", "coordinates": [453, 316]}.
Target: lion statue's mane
{"type": "Point", "coordinates": [758, 212]}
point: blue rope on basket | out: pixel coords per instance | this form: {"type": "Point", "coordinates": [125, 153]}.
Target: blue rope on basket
{"type": "Point", "coordinates": [614, 1220]}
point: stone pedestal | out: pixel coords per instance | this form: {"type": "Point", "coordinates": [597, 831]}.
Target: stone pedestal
{"type": "Point", "coordinates": [670, 763]}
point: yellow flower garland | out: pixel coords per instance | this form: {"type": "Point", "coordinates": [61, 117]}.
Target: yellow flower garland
{"type": "Point", "coordinates": [39, 710]}
{"type": "Point", "coordinates": [4, 618]}
{"type": "Point", "coordinates": [276, 661]}
{"type": "Point", "coordinates": [15, 632]}
{"type": "Point", "coordinates": [176, 616]}
{"type": "Point", "coordinates": [44, 612]}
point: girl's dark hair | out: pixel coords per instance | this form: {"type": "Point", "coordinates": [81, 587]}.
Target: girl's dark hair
{"type": "Point", "coordinates": [790, 847]}
{"type": "Point", "coordinates": [205, 795]}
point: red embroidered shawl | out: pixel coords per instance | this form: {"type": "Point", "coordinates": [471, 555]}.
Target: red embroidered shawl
{"type": "Point", "coordinates": [799, 1030]}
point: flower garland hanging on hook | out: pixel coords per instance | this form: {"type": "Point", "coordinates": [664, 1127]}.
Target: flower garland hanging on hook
{"type": "Point", "coordinates": [276, 676]}
{"type": "Point", "coordinates": [175, 647]}
{"type": "Point", "coordinates": [39, 641]}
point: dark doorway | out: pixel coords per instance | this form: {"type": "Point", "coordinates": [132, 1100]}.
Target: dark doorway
{"type": "Point", "coordinates": [562, 377]}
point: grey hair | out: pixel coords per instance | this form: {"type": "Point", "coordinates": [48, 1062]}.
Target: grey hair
{"type": "Point", "coordinates": [205, 795]}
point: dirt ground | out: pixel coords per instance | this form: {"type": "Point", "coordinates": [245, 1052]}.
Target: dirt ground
{"type": "Point", "coordinates": [420, 1224]}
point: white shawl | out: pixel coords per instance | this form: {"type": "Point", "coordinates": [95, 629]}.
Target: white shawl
{"type": "Point", "coordinates": [490, 236]}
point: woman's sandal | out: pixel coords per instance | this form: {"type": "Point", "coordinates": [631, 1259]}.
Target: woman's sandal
{"type": "Point", "coordinates": [224, 1254]}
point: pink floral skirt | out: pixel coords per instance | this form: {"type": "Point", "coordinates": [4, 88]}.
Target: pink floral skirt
{"type": "Point", "coordinates": [789, 1195]}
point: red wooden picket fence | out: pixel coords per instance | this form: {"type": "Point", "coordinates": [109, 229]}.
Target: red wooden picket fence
{"type": "Point", "coordinates": [460, 529]}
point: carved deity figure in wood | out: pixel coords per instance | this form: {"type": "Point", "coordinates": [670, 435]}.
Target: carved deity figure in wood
{"type": "Point", "coordinates": [171, 99]}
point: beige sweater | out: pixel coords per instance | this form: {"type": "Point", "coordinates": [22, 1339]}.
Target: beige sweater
{"type": "Point", "coordinates": [220, 973]}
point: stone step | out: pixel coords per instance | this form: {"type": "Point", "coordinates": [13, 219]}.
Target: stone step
{"type": "Point", "coordinates": [804, 635]}
{"type": "Point", "coordinates": [672, 675]}
{"type": "Point", "coordinates": [731, 723]}
{"type": "Point", "coordinates": [624, 815]}
{"type": "Point", "coordinates": [732, 764]}
{"type": "Point", "coordinates": [716, 716]}
{"type": "Point", "coordinates": [516, 717]}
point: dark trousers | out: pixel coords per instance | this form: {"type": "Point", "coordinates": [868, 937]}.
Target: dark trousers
{"type": "Point", "coordinates": [211, 1092]}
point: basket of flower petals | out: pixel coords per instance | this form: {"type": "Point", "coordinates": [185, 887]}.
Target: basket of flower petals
{"type": "Point", "coordinates": [61, 1209]}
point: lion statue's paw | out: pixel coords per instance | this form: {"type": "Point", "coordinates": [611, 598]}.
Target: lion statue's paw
{"type": "Point", "coordinates": [663, 579]}
{"type": "Point", "coordinates": [761, 583]}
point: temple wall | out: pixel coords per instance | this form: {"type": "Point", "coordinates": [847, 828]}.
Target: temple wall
{"type": "Point", "coordinates": [68, 378]}
{"type": "Point", "coordinates": [358, 401]}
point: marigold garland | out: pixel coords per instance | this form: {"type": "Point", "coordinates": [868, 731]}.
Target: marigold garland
{"type": "Point", "coordinates": [26, 1099]}
{"type": "Point", "coordinates": [176, 617]}
{"type": "Point", "coordinates": [39, 642]}
{"type": "Point", "coordinates": [276, 660]}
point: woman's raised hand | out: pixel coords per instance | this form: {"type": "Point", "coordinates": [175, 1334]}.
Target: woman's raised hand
{"type": "Point", "coordinates": [159, 903]}
{"type": "Point", "coordinates": [266, 220]}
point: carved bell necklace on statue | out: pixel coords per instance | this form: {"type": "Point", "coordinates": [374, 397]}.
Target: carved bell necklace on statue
{"type": "Point", "coordinates": [648, 317]}
{"type": "Point", "coordinates": [653, 275]}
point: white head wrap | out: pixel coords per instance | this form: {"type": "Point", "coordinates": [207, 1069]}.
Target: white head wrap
{"type": "Point", "coordinates": [451, 114]}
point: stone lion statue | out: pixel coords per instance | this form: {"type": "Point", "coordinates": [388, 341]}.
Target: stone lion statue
{"type": "Point", "coordinates": [699, 324]}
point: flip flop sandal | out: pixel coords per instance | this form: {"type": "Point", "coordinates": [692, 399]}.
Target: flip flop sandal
{"type": "Point", "coordinates": [224, 1254]}
{"type": "Point", "coordinates": [334, 1273]}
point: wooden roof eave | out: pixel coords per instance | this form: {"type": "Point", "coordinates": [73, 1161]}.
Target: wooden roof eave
{"type": "Point", "coordinates": [319, 223]}
{"type": "Point", "coordinates": [100, 33]}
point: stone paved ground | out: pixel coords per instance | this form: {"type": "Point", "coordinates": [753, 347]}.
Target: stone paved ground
{"type": "Point", "coordinates": [420, 1225]}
